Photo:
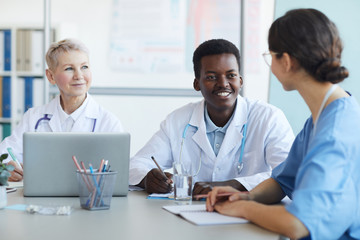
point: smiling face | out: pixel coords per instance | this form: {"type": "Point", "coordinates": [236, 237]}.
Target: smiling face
{"type": "Point", "coordinates": [219, 83]}
{"type": "Point", "coordinates": [72, 75]}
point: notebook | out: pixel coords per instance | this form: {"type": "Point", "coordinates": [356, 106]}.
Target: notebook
{"type": "Point", "coordinates": [50, 171]}
{"type": "Point", "coordinates": [198, 215]}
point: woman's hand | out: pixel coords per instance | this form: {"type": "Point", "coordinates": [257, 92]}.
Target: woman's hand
{"type": "Point", "coordinates": [213, 198]}
{"type": "Point", "coordinates": [17, 174]}
{"type": "Point", "coordinates": [232, 208]}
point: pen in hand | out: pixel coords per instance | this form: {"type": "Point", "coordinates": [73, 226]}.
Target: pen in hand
{"type": "Point", "coordinates": [14, 158]}
{"type": "Point", "coordinates": [169, 180]}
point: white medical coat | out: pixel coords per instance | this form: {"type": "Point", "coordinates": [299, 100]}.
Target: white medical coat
{"type": "Point", "coordinates": [105, 122]}
{"type": "Point", "coordinates": [268, 141]}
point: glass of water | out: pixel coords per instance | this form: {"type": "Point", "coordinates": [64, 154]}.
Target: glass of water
{"type": "Point", "coordinates": [182, 184]}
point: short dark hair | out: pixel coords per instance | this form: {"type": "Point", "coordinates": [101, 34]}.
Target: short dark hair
{"type": "Point", "coordinates": [313, 40]}
{"type": "Point", "coordinates": [213, 47]}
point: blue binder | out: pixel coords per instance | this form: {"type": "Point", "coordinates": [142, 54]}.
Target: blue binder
{"type": "Point", "coordinates": [6, 94]}
{"type": "Point", "coordinates": [7, 50]}
{"type": "Point", "coordinates": [28, 92]}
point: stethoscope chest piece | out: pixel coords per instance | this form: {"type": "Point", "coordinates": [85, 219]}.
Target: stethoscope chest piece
{"type": "Point", "coordinates": [240, 167]}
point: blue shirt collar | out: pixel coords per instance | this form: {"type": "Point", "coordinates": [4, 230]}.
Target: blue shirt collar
{"type": "Point", "coordinates": [211, 127]}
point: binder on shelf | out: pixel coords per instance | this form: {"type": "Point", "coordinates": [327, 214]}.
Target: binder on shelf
{"type": "Point", "coordinates": [20, 96]}
{"type": "Point", "coordinates": [36, 53]}
{"type": "Point", "coordinates": [28, 43]}
{"type": "Point", "coordinates": [28, 92]}
{"type": "Point", "coordinates": [6, 97]}
{"type": "Point", "coordinates": [7, 50]}
{"type": "Point", "coordinates": [1, 97]}
{"type": "Point", "coordinates": [6, 130]}
{"type": "Point", "coordinates": [20, 55]}
{"type": "Point", "coordinates": [30, 54]}
{"type": "Point", "coordinates": [2, 53]}
{"type": "Point", "coordinates": [1, 133]}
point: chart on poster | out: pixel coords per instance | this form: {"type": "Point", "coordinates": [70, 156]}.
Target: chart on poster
{"type": "Point", "coordinates": [161, 35]}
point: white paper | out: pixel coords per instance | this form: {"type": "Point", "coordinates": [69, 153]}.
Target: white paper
{"type": "Point", "coordinates": [162, 195]}
{"type": "Point", "coordinates": [198, 215]}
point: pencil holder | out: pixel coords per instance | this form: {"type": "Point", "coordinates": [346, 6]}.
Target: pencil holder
{"type": "Point", "coordinates": [96, 189]}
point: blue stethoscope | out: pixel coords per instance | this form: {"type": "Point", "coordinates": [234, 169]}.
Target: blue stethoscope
{"type": "Point", "coordinates": [240, 164]}
{"type": "Point", "coordinates": [47, 118]}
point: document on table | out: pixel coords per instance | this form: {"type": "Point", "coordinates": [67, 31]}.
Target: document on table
{"type": "Point", "coordinates": [161, 196]}
{"type": "Point", "coordinates": [198, 215]}
{"type": "Point", "coordinates": [16, 184]}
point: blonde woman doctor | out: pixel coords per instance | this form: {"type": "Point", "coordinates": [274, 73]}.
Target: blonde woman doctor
{"type": "Point", "coordinates": [225, 138]}
{"type": "Point", "coordinates": [74, 110]}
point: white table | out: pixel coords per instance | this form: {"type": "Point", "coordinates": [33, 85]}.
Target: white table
{"type": "Point", "coordinates": [129, 218]}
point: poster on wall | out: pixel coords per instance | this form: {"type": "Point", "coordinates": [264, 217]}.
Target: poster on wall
{"type": "Point", "coordinates": [159, 36]}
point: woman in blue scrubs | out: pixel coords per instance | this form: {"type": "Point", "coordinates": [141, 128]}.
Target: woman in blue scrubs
{"type": "Point", "coordinates": [322, 172]}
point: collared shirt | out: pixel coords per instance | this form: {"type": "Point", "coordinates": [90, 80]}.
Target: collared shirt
{"type": "Point", "coordinates": [214, 133]}
{"type": "Point", "coordinates": [67, 120]}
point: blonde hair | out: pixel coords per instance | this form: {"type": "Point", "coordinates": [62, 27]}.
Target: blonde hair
{"type": "Point", "coordinates": [63, 46]}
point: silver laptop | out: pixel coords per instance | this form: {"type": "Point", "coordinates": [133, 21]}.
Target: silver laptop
{"type": "Point", "coordinates": [50, 171]}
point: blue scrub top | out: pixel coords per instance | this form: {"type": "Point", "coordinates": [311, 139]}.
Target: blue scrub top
{"type": "Point", "coordinates": [322, 173]}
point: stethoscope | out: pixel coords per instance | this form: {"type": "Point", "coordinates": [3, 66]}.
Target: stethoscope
{"type": "Point", "coordinates": [47, 118]}
{"type": "Point", "coordinates": [240, 164]}
{"type": "Point", "coordinates": [44, 118]}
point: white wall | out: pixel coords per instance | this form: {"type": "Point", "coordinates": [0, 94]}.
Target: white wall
{"type": "Point", "coordinates": [21, 13]}
{"type": "Point", "coordinates": [258, 18]}
{"type": "Point", "coordinates": [89, 20]}
{"type": "Point", "coordinates": [141, 116]}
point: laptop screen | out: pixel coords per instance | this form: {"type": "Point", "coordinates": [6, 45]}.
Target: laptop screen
{"type": "Point", "coordinates": [50, 171]}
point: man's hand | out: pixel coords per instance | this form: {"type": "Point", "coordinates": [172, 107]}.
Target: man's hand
{"type": "Point", "coordinates": [156, 182]}
{"type": "Point", "coordinates": [205, 187]}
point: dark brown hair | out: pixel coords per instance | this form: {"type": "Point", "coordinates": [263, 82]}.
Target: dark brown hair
{"type": "Point", "coordinates": [313, 40]}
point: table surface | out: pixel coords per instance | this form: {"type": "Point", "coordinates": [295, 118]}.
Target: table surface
{"type": "Point", "coordinates": [131, 217]}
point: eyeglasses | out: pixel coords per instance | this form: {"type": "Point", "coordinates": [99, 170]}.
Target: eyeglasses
{"type": "Point", "coordinates": [268, 57]}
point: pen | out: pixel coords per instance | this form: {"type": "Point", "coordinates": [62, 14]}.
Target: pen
{"type": "Point", "coordinates": [79, 168]}
{"type": "Point", "coordinates": [158, 165]}
{"type": "Point", "coordinates": [105, 166]}
{"type": "Point", "coordinates": [88, 183]}
{"type": "Point", "coordinates": [100, 169]}
{"type": "Point", "coordinates": [97, 190]}
{"type": "Point", "coordinates": [160, 169]}
{"type": "Point", "coordinates": [14, 158]}
{"type": "Point", "coordinates": [225, 194]}
{"type": "Point", "coordinates": [101, 184]}
{"type": "Point", "coordinates": [87, 176]}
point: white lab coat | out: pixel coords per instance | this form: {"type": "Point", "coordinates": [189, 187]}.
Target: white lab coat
{"type": "Point", "coordinates": [268, 141]}
{"type": "Point", "coordinates": [105, 122]}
